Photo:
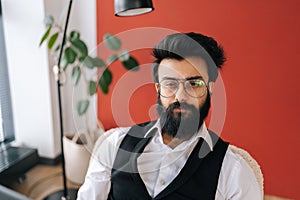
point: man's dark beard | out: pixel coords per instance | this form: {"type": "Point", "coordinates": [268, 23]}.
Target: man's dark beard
{"type": "Point", "coordinates": [178, 125]}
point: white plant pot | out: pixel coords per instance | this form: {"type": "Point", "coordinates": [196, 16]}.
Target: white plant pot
{"type": "Point", "coordinates": [77, 159]}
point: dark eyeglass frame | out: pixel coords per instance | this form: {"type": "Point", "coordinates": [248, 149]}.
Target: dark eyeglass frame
{"type": "Point", "coordinates": [185, 82]}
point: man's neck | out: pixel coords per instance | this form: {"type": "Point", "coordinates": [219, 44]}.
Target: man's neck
{"type": "Point", "coordinates": [171, 141]}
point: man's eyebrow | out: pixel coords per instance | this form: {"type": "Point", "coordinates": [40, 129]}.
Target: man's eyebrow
{"type": "Point", "coordinates": [188, 78]}
{"type": "Point", "coordinates": [194, 77]}
{"type": "Point", "coordinates": [168, 78]}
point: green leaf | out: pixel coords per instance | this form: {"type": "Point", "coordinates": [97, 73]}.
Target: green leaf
{"type": "Point", "coordinates": [76, 73]}
{"type": "Point", "coordinates": [98, 62]}
{"type": "Point", "coordinates": [64, 62]}
{"type": "Point", "coordinates": [80, 47]}
{"type": "Point", "coordinates": [70, 55]}
{"type": "Point", "coordinates": [124, 55]}
{"type": "Point", "coordinates": [82, 106]}
{"type": "Point", "coordinates": [105, 80]}
{"type": "Point", "coordinates": [107, 76]}
{"type": "Point", "coordinates": [112, 59]}
{"type": "Point", "coordinates": [48, 20]}
{"type": "Point", "coordinates": [81, 59]}
{"type": "Point", "coordinates": [131, 64]}
{"type": "Point", "coordinates": [92, 87]}
{"type": "Point", "coordinates": [104, 88]}
{"type": "Point", "coordinates": [46, 34]}
{"type": "Point", "coordinates": [74, 35]}
{"type": "Point", "coordinates": [88, 62]}
{"type": "Point", "coordinates": [57, 48]}
{"type": "Point", "coordinates": [112, 42]}
{"type": "Point", "coordinates": [52, 40]}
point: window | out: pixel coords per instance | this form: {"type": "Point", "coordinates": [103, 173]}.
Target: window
{"type": "Point", "coordinates": [6, 116]}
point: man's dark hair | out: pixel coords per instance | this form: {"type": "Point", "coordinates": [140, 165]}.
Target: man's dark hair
{"type": "Point", "coordinates": [182, 45]}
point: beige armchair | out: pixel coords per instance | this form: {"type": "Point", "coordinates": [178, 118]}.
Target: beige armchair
{"type": "Point", "coordinates": [253, 164]}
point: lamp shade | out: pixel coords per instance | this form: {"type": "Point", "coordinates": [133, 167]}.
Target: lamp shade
{"type": "Point", "coordinates": [132, 7]}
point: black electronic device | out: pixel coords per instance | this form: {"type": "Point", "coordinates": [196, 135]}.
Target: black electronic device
{"type": "Point", "coordinates": [15, 162]}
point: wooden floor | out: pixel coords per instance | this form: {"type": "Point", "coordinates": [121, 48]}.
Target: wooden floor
{"type": "Point", "coordinates": [41, 181]}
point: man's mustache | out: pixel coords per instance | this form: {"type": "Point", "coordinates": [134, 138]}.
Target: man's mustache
{"type": "Point", "coordinates": [181, 105]}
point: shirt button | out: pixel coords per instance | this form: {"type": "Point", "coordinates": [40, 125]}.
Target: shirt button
{"type": "Point", "coordinates": [162, 182]}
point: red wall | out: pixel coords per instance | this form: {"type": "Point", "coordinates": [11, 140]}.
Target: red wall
{"type": "Point", "coordinates": [260, 77]}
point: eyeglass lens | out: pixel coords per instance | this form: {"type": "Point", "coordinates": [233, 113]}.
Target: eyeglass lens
{"type": "Point", "coordinates": [194, 88]}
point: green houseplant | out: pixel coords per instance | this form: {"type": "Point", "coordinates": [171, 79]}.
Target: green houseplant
{"type": "Point", "coordinates": [76, 59]}
{"type": "Point", "coordinates": [77, 62]}
{"type": "Point", "coordinates": [76, 55]}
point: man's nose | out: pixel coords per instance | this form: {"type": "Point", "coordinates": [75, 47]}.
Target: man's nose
{"type": "Point", "coordinates": [181, 94]}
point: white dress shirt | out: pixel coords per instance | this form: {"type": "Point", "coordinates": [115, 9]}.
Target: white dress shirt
{"type": "Point", "coordinates": [159, 164]}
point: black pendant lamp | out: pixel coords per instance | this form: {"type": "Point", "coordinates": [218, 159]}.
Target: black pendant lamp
{"type": "Point", "coordinates": [132, 7]}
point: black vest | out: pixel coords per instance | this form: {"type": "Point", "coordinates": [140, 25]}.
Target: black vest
{"type": "Point", "coordinates": [197, 180]}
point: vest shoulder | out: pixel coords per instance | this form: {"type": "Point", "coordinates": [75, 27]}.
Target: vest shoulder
{"type": "Point", "coordinates": [144, 124]}
{"type": "Point", "coordinates": [216, 138]}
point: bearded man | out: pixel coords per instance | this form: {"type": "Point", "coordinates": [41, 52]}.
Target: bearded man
{"type": "Point", "coordinates": [175, 157]}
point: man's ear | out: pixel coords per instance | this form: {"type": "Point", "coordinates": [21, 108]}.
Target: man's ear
{"type": "Point", "coordinates": [156, 86]}
{"type": "Point", "coordinates": [211, 87]}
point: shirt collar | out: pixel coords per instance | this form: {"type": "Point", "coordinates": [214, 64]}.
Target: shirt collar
{"type": "Point", "coordinates": [202, 133]}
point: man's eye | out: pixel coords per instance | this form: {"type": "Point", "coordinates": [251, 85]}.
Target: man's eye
{"type": "Point", "coordinates": [196, 83]}
{"type": "Point", "coordinates": [171, 84]}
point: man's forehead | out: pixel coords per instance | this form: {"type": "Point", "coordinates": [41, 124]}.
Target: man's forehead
{"type": "Point", "coordinates": [185, 68]}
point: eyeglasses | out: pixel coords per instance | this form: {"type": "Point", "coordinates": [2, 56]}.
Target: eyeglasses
{"type": "Point", "coordinates": [195, 87]}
